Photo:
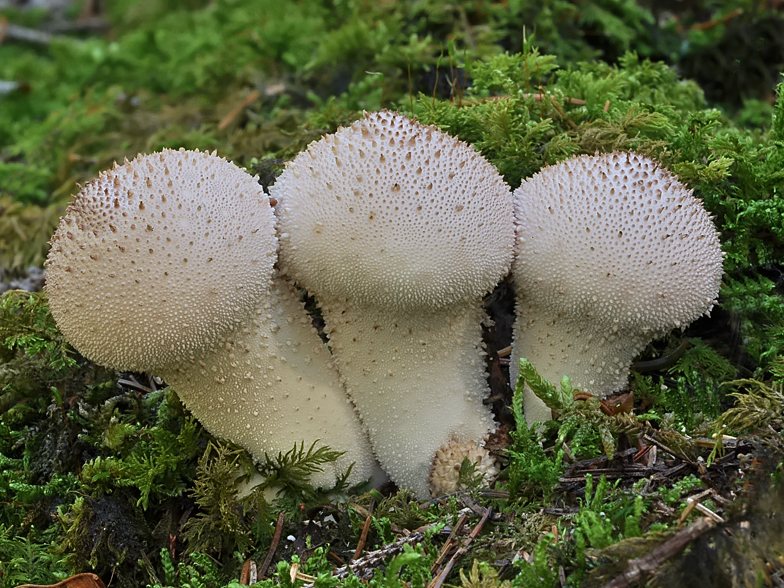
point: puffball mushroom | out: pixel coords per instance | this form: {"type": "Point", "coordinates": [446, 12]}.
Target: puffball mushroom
{"type": "Point", "coordinates": [612, 251]}
{"type": "Point", "coordinates": [398, 230]}
{"type": "Point", "coordinates": [164, 264]}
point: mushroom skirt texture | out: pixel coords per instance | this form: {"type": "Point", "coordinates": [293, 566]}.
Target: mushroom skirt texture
{"type": "Point", "coordinates": [156, 258]}
{"type": "Point", "coordinates": [612, 251]}
{"type": "Point", "coordinates": [398, 230]}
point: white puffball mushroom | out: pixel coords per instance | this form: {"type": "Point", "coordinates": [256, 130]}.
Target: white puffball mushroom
{"type": "Point", "coordinates": [150, 261]}
{"type": "Point", "coordinates": [398, 230]}
{"type": "Point", "coordinates": [164, 265]}
{"type": "Point", "coordinates": [612, 251]}
{"type": "Point", "coordinates": [271, 384]}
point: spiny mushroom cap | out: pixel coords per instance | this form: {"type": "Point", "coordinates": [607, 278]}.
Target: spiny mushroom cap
{"type": "Point", "coordinates": [391, 212]}
{"type": "Point", "coordinates": [159, 256]}
{"type": "Point", "coordinates": [617, 241]}
{"type": "Point", "coordinates": [612, 251]}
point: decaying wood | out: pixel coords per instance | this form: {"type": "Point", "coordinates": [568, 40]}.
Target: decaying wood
{"type": "Point", "coordinates": [641, 567]}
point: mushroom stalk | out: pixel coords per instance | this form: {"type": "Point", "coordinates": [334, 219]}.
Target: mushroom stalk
{"type": "Point", "coordinates": [557, 346]}
{"type": "Point", "coordinates": [418, 381]}
{"type": "Point", "coordinates": [270, 385]}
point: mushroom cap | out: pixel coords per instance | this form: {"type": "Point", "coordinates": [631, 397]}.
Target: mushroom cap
{"type": "Point", "coordinates": [390, 212]}
{"type": "Point", "coordinates": [159, 256]}
{"type": "Point", "coordinates": [617, 241]}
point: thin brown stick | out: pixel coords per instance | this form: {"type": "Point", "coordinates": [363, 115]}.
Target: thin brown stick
{"type": "Point", "coordinates": [273, 547]}
{"type": "Point", "coordinates": [645, 566]}
{"type": "Point", "coordinates": [448, 545]}
{"type": "Point", "coordinates": [438, 581]}
{"type": "Point", "coordinates": [540, 97]}
{"type": "Point", "coordinates": [85, 580]}
{"type": "Point", "coordinates": [663, 447]}
{"type": "Point", "coordinates": [229, 118]}
{"type": "Point", "coordinates": [561, 112]}
{"type": "Point", "coordinates": [365, 530]}
{"type": "Point", "coordinates": [691, 502]}
{"type": "Point", "coordinates": [249, 574]}
{"type": "Point", "coordinates": [704, 26]}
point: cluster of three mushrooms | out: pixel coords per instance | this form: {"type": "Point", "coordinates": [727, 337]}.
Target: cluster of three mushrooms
{"type": "Point", "coordinates": [398, 230]}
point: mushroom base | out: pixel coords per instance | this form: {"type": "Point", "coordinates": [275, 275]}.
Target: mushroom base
{"type": "Point", "coordinates": [445, 477]}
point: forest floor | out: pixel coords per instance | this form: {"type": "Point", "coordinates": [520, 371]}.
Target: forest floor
{"type": "Point", "coordinates": [107, 480]}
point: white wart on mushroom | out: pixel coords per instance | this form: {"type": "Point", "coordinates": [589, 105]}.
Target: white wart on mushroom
{"type": "Point", "coordinates": [398, 230]}
{"type": "Point", "coordinates": [164, 265]}
{"type": "Point", "coordinates": [612, 251]}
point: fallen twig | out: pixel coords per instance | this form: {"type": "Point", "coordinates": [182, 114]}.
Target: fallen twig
{"type": "Point", "coordinates": [663, 447]}
{"type": "Point", "coordinates": [86, 580]}
{"type": "Point", "coordinates": [645, 566]}
{"type": "Point", "coordinates": [273, 546]}
{"type": "Point", "coordinates": [363, 567]}
{"type": "Point", "coordinates": [17, 33]}
{"type": "Point", "coordinates": [249, 574]}
{"type": "Point", "coordinates": [249, 99]}
{"type": "Point", "coordinates": [448, 544]}
{"type": "Point", "coordinates": [134, 384]}
{"type": "Point", "coordinates": [438, 581]}
{"type": "Point", "coordinates": [704, 26]}
{"type": "Point", "coordinates": [365, 530]}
